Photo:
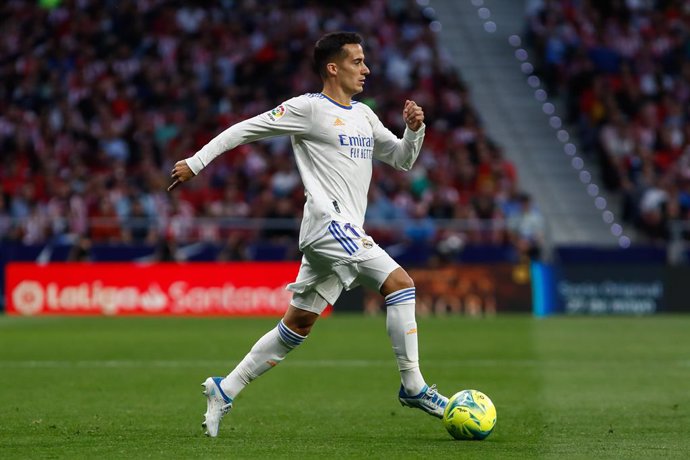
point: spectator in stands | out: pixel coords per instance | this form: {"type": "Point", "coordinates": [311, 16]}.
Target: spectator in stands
{"type": "Point", "coordinates": [5, 221]}
{"type": "Point", "coordinates": [282, 209]}
{"type": "Point", "coordinates": [139, 226]}
{"type": "Point", "coordinates": [657, 205]}
{"type": "Point", "coordinates": [166, 251]}
{"type": "Point", "coordinates": [420, 229]}
{"type": "Point", "coordinates": [104, 223]}
{"type": "Point", "coordinates": [618, 147]}
{"type": "Point", "coordinates": [526, 229]}
{"type": "Point", "coordinates": [80, 251]}
{"type": "Point", "coordinates": [488, 214]}
{"type": "Point", "coordinates": [235, 248]}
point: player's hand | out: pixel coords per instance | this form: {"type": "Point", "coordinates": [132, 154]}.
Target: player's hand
{"type": "Point", "coordinates": [413, 115]}
{"type": "Point", "coordinates": [180, 173]}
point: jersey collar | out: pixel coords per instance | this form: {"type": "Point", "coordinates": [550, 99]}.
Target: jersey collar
{"type": "Point", "coordinates": [346, 107]}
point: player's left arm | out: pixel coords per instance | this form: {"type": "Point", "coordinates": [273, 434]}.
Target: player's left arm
{"type": "Point", "coordinates": [400, 153]}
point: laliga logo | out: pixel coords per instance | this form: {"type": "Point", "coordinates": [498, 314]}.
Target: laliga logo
{"type": "Point", "coordinates": [277, 113]}
{"type": "Point", "coordinates": [28, 297]}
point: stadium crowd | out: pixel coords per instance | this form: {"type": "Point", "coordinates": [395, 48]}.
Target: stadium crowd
{"type": "Point", "coordinates": [99, 99]}
{"type": "Point", "coordinates": [623, 70]}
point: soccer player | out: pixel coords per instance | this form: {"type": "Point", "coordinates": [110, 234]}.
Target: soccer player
{"type": "Point", "coordinates": [334, 140]}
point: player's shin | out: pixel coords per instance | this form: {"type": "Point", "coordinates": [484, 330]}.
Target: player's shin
{"type": "Point", "coordinates": [402, 330]}
{"type": "Point", "coordinates": [267, 353]}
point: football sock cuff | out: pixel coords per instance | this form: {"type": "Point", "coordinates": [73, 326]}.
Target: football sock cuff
{"type": "Point", "coordinates": [401, 296]}
{"type": "Point", "coordinates": [290, 338]}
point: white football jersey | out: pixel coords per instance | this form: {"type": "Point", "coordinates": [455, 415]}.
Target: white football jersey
{"type": "Point", "coordinates": [334, 146]}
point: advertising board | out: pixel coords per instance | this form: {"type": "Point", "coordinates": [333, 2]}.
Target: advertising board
{"type": "Point", "coordinates": [473, 289]}
{"type": "Point", "coordinates": [239, 289]}
{"type": "Point", "coordinates": [610, 289]}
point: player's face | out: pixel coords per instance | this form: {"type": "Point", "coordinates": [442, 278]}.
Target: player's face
{"type": "Point", "coordinates": [352, 70]}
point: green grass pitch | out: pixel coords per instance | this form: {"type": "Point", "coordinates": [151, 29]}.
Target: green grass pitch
{"type": "Point", "coordinates": [570, 387]}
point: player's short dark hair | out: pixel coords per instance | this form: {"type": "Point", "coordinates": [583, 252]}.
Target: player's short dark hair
{"type": "Point", "coordinates": [330, 46]}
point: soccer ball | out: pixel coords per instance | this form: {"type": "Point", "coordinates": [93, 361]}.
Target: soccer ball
{"type": "Point", "coordinates": [470, 414]}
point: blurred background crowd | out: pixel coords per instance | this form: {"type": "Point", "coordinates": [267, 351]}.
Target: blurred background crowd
{"type": "Point", "coordinates": [623, 70]}
{"type": "Point", "coordinates": [98, 99]}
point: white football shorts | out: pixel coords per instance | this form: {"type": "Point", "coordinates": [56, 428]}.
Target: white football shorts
{"type": "Point", "coordinates": [343, 257]}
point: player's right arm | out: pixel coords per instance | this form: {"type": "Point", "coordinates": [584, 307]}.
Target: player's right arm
{"type": "Point", "coordinates": [289, 118]}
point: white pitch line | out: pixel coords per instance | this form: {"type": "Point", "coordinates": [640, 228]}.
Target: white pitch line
{"type": "Point", "coordinates": [352, 363]}
{"type": "Point", "coordinates": [322, 363]}
{"type": "Point", "coordinates": [104, 364]}
{"type": "Point", "coordinates": [115, 363]}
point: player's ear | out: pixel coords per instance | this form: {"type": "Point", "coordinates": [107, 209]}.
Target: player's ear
{"type": "Point", "coordinates": [332, 68]}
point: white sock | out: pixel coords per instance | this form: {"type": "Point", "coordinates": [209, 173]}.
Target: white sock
{"type": "Point", "coordinates": [402, 329]}
{"type": "Point", "coordinates": [266, 353]}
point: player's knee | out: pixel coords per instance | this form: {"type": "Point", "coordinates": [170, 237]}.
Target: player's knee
{"type": "Point", "coordinates": [302, 330]}
{"type": "Point", "coordinates": [299, 321]}
{"type": "Point", "coordinates": [406, 282]}
{"type": "Point", "coordinates": [397, 280]}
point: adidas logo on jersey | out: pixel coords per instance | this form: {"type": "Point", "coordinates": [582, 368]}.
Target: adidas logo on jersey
{"type": "Point", "coordinates": [338, 122]}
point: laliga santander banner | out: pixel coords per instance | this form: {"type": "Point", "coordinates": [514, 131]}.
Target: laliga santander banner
{"type": "Point", "coordinates": [237, 289]}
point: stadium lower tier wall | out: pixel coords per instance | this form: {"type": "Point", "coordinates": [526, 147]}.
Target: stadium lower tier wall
{"type": "Point", "coordinates": [582, 281]}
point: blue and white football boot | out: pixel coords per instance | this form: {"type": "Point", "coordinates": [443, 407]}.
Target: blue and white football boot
{"type": "Point", "coordinates": [429, 400]}
{"type": "Point", "coordinates": [217, 405]}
